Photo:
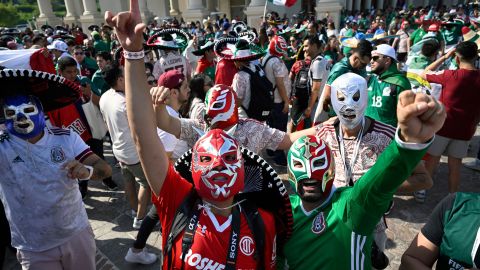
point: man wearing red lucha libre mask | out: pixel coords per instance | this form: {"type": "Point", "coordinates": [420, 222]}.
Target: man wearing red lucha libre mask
{"type": "Point", "coordinates": [218, 229]}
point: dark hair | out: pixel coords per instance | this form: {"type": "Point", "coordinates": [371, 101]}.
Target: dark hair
{"type": "Point", "coordinates": [430, 47]}
{"type": "Point", "coordinates": [149, 66]}
{"type": "Point", "coordinates": [314, 40]}
{"type": "Point", "coordinates": [70, 42]}
{"type": "Point", "coordinates": [196, 87]}
{"type": "Point", "coordinates": [105, 55]}
{"type": "Point", "coordinates": [65, 62]}
{"type": "Point", "coordinates": [111, 74]}
{"type": "Point", "coordinates": [364, 48]}
{"type": "Point", "coordinates": [467, 51]}
{"type": "Point", "coordinates": [78, 47]}
{"type": "Point", "coordinates": [37, 39]}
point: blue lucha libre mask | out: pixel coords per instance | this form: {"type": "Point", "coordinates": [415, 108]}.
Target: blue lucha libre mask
{"type": "Point", "coordinates": [24, 116]}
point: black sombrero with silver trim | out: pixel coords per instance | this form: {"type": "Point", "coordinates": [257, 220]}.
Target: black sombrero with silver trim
{"type": "Point", "coordinates": [53, 91]}
{"type": "Point", "coordinates": [169, 39]}
{"type": "Point", "coordinates": [208, 45]}
{"type": "Point", "coordinates": [250, 36]}
{"type": "Point", "coordinates": [263, 188]}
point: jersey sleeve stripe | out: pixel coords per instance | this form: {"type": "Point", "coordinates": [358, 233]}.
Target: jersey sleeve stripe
{"type": "Point", "coordinates": [84, 155]}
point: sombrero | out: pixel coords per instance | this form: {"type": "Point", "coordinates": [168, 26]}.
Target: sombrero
{"type": "Point", "coordinates": [45, 27]}
{"type": "Point", "coordinates": [381, 35]}
{"type": "Point", "coordinates": [208, 45]}
{"type": "Point", "coordinates": [263, 188]}
{"type": "Point", "coordinates": [11, 32]}
{"type": "Point", "coordinates": [239, 27]}
{"type": "Point", "coordinates": [169, 39]}
{"type": "Point", "coordinates": [94, 27]}
{"type": "Point", "coordinates": [286, 31]}
{"type": "Point", "coordinates": [53, 91]}
{"type": "Point", "coordinates": [224, 45]}
{"type": "Point", "coordinates": [243, 51]}
{"type": "Point", "coordinates": [470, 35]}
{"type": "Point", "coordinates": [249, 36]}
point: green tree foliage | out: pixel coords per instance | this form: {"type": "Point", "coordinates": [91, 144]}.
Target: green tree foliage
{"type": "Point", "coordinates": [8, 15]}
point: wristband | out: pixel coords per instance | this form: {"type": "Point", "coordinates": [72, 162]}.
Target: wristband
{"type": "Point", "coordinates": [90, 172]}
{"type": "Point", "coordinates": [133, 55]}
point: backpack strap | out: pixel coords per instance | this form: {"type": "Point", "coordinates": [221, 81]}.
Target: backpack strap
{"type": "Point", "coordinates": [179, 223]}
{"type": "Point", "coordinates": [256, 225]}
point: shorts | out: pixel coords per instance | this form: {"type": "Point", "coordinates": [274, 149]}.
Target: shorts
{"type": "Point", "coordinates": [442, 146]}
{"type": "Point", "coordinates": [78, 253]}
{"type": "Point", "coordinates": [133, 173]}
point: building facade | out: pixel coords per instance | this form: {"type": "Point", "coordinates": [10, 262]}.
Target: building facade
{"type": "Point", "coordinates": [88, 12]}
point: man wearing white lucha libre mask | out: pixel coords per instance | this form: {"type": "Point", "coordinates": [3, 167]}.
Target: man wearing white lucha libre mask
{"type": "Point", "coordinates": [357, 140]}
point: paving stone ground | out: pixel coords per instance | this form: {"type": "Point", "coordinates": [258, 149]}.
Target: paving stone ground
{"type": "Point", "coordinates": [108, 214]}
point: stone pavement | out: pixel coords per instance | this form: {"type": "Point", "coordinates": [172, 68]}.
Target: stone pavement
{"type": "Point", "coordinates": [108, 214]}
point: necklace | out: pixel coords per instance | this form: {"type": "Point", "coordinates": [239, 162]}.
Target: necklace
{"type": "Point", "coordinates": [344, 154]}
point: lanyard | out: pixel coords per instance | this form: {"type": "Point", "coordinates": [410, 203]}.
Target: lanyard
{"type": "Point", "coordinates": [343, 153]}
{"type": "Point", "coordinates": [191, 229]}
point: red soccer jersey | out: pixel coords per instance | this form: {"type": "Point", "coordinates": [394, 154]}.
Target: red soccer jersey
{"type": "Point", "coordinates": [212, 237]}
{"type": "Point", "coordinates": [225, 72]}
{"type": "Point", "coordinates": [68, 117]}
{"type": "Point", "coordinates": [460, 94]}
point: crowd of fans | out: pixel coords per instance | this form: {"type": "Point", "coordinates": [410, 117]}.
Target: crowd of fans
{"type": "Point", "coordinates": [353, 111]}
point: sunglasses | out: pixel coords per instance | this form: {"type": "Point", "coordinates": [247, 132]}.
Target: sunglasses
{"type": "Point", "coordinates": [375, 58]}
{"type": "Point", "coordinates": [151, 82]}
{"type": "Point", "coordinates": [78, 53]}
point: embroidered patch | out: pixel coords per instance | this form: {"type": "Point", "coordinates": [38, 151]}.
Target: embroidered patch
{"type": "Point", "coordinates": [246, 245]}
{"type": "Point", "coordinates": [386, 91]}
{"type": "Point", "coordinates": [318, 224]}
{"type": "Point", "coordinates": [57, 155]}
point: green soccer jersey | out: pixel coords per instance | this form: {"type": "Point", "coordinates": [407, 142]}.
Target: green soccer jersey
{"type": "Point", "coordinates": [383, 91]}
{"type": "Point", "coordinates": [339, 234]}
{"type": "Point", "coordinates": [342, 67]}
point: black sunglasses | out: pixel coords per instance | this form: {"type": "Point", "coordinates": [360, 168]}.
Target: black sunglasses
{"type": "Point", "coordinates": [79, 53]}
{"type": "Point", "coordinates": [375, 58]}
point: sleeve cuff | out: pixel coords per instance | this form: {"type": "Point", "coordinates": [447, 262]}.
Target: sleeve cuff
{"type": "Point", "coordinates": [412, 146]}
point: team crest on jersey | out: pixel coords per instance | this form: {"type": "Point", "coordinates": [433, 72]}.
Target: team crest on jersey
{"type": "Point", "coordinates": [387, 91]}
{"type": "Point", "coordinates": [246, 245]}
{"type": "Point", "coordinates": [57, 155]}
{"type": "Point", "coordinates": [318, 224]}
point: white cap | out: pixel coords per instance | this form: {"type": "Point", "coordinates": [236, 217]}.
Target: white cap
{"type": "Point", "coordinates": [58, 45]}
{"type": "Point", "coordinates": [384, 49]}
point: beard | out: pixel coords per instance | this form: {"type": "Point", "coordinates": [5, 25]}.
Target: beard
{"type": "Point", "coordinates": [310, 191]}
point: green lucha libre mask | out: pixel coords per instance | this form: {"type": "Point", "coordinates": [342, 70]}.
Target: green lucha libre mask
{"type": "Point", "coordinates": [310, 162]}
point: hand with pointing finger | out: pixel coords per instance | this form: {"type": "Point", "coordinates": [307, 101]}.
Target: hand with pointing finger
{"type": "Point", "coordinates": [128, 27]}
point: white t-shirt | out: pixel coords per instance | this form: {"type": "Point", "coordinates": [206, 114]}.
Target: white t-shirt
{"type": "Point", "coordinates": [43, 206]}
{"type": "Point", "coordinates": [319, 71]}
{"type": "Point", "coordinates": [169, 141]}
{"type": "Point", "coordinates": [276, 68]}
{"type": "Point", "coordinates": [169, 61]}
{"type": "Point", "coordinates": [114, 110]}
{"type": "Point", "coordinates": [241, 85]}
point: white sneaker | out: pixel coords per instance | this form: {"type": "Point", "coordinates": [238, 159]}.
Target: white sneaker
{"type": "Point", "coordinates": [420, 196]}
{"type": "Point", "coordinates": [143, 257]}
{"type": "Point", "coordinates": [137, 223]}
{"type": "Point", "coordinates": [474, 165]}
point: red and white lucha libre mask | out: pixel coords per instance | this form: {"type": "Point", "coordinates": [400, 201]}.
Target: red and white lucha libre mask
{"type": "Point", "coordinates": [217, 166]}
{"type": "Point", "coordinates": [221, 107]}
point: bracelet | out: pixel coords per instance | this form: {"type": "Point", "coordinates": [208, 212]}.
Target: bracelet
{"type": "Point", "coordinates": [133, 55]}
{"type": "Point", "coordinates": [90, 172]}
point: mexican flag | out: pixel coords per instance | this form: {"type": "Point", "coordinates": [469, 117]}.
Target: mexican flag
{"type": "Point", "coordinates": [27, 59]}
{"type": "Point", "coordinates": [285, 3]}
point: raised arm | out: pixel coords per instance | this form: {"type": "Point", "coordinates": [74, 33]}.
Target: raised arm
{"type": "Point", "coordinates": [141, 117]}
{"type": "Point", "coordinates": [164, 120]}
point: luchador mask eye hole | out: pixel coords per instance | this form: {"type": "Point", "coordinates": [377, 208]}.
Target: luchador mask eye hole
{"type": "Point", "coordinates": [230, 157]}
{"type": "Point", "coordinates": [28, 110]}
{"type": "Point", "coordinates": [9, 113]}
{"type": "Point", "coordinates": [356, 96]}
{"type": "Point", "coordinates": [340, 96]}
{"type": "Point", "coordinates": [297, 164]}
{"type": "Point", "coordinates": [205, 159]}
{"type": "Point", "coordinates": [319, 163]}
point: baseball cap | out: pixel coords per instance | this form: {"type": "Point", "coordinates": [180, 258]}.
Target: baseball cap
{"type": "Point", "coordinates": [172, 79]}
{"type": "Point", "coordinates": [225, 26]}
{"type": "Point", "coordinates": [386, 50]}
{"type": "Point", "coordinates": [58, 45]}
{"type": "Point", "coordinates": [433, 28]}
